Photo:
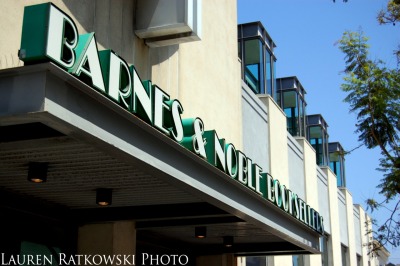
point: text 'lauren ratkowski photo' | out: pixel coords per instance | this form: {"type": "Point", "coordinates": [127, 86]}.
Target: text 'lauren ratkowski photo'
{"type": "Point", "coordinates": [90, 260]}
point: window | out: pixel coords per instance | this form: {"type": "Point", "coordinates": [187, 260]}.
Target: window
{"type": "Point", "coordinates": [318, 136]}
{"type": "Point", "coordinates": [258, 60]}
{"type": "Point", "coordinates": [256, 261]}
{"type": "Point", "coordinates": [344, 256]}
{"type": "Point", "coordinates": [335, 166]}
{"type": "Point", "coordinates": [316, 140]}
{"type": "Point", "coordinates": [268, 72]}
{"type": "Point", "coordinates": [359, 260]}
{"type": "Point", "coordinates": [254, 65]}
{"type": "Point", "coordinates": [290, 97]}
{"type": "Point", "coordinates": [291, 111]}
{"type": "Point", "coordinates": [324, 250]}
{"type": "Point", "coordinates": [298, 260]}
{"type": "Point", "coordinates": [336, 162]}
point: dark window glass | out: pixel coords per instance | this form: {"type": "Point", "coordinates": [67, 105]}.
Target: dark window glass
{"type": "Point", "coordinates": [344, 256]}
{"type": "Point", "coordinates": [290, 108]}
{"type": "Point", "coordinates": [324, 250]}
{"type": "Point", "coordinates": [256, 261]}
{"type": "Point", "coordinates": [298, 260]}
{"type": "Point", "coordinates": [254, 65]}
{"type": "Point", "coordinates": [268, 72]}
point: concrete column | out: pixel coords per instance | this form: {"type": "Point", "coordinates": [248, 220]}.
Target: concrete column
{"type": "Point", "coordinates": [364, 236]}
{"type": "Point", "coordinates": [217, 260]}
{"type": "Point", "coordinates": [107, 238]}
{"type": "Point", "coordinates": [311, 188]}
{"type": "Point", "coordinates": [371, 257]}
{"type": "Point", "coordinates": [281, 260]}
{"type": "Point", "coordinates": [334, 246]}
{"type": "Point", "coordinates": [278, 146]}
{"type": "Point", "coordinates": [351, 257]}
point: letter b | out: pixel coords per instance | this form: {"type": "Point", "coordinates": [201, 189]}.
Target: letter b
{"type": "Point", "coordinates": [48, 33]}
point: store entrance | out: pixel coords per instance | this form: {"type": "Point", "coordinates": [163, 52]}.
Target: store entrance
{"type": "Point", "coordinates": [31, 233]}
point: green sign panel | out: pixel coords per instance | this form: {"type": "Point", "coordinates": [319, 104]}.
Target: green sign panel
{"type": "Point", "coordinates": [50, 35]}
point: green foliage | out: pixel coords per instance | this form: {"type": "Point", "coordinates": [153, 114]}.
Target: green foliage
{"type": "Point", "coordinates": [391, 14]}
{"type": "Point", "coordinates": [374, 95]}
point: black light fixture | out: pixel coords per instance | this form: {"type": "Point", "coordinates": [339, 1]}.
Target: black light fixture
{"type": "Point", "coordinates": [37, 172]}
{"type": "Point", "coordinates": [228, 241]}
{"type": "Point", "coordinates": [104, 196]}
{"type": "Point", "coordinates": [200, 232]}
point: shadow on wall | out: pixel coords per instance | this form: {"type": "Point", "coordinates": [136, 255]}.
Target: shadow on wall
{"type": "Point", "coordinates": [117, 31]}
{"type": "Point", "coordinates": [112, 22]}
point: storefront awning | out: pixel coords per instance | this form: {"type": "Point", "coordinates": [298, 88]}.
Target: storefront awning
{"type": "Point", "coordinates": [90, 142]}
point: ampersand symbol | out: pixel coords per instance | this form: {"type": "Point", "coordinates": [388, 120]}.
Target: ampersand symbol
{"type": "Point", "coordinates": [198, 141]}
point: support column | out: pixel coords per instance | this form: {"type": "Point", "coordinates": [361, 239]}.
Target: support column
{"type": "Point", "coordinates": [334, 245]}
{"type": "Point", "coordinates": [278, 146]}
{"type": "Point", "coordinates": [311, 188]}
{"type": "Point", "coordinates": [352, 258]}
{"type": "Point", "coordinates": [364, 236]}
{"type": "Point", "coordinates": [110, 238]}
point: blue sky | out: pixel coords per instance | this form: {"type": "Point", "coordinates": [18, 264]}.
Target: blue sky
{"type": "Point", "coordinates": [305, 33]}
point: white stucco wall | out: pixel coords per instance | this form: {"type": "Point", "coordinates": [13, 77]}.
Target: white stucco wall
{"type": "Point", "coordinates": [205, 75]}
{"type": "Point", "coordinates": [334, 245]}
{"type": "Point", "coordinates": [296, 167]}
{"type": "Point", "coordinates": [351, 237]}
{"type": "Point", "coordinates": [277, 139]}
{"type": "Point", "coordinates": [342, 218]}
{"type": "Point", "coordinates": [255, 128]}
{"type": "Point", "coordinates": [323, 199]}
{"type": "Point", "coordinates": [357, 230]}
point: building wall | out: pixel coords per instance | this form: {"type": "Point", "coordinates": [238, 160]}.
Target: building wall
{"type": "Point", "coordinates": [357, 230]}
{"type": "Point", "coordinates": [296, 159]}
{"type": "Point", "coordinates": [363, 234]}
{"type": "Point", "coordinates": [277, 139]}
{"type": "Point", "coordinates": [350, 227]}
{"type": "Point", "coordinates": [255, 128]}
{"type": "Point", "coordinates": [343, 219]}
{"type": "Point", "coordinates": [205, 75]}
{"type": "Point", "coordinates": [312, 192]}
{"type": "Point", "coordinates": [323, 199]}
{"type": "Point", "coordinates": [112, 23]}
{"type": "Point", "coordinates": [299, 172]}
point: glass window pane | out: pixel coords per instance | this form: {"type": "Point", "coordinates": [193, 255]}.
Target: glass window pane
{"type": "Point", "coordinates": [315, 135]}
{"type": "Point", "coordinates": [268, 72]}
{"type": "Point", "coordinates": [253, 65]}
{"type": "Point", "coordinates": [274, 75]}
{"type": "Point", "coordinates": [344, 256]}
{"type": "Point", "coordinates": [298, 260]}
{"type": "Point", "coordinates": [256, 261]}
{"type": "Point", "coordinates": [291, 110]}
{"type": "Point", "coordinates": [324, 250]}
{"type": "Point", "coordinates": [240, 50]}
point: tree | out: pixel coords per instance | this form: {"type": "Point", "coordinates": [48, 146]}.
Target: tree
{"type": "Point", "coordinates": [390, 16]}
{"type": "Point", "coordinates": [374, 95]}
